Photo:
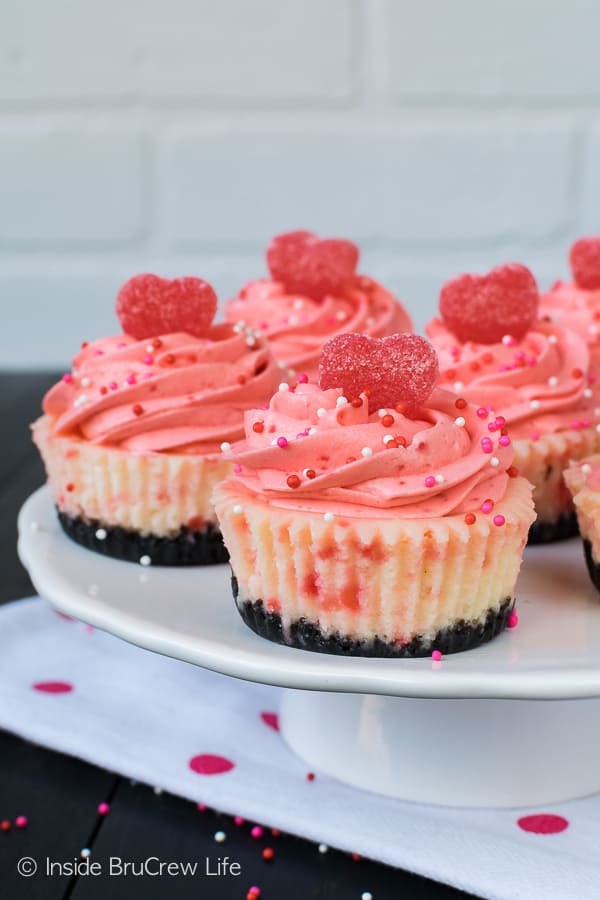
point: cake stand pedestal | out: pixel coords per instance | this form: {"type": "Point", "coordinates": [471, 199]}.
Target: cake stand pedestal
{"type": "Point", "coordinates": [513, 723]}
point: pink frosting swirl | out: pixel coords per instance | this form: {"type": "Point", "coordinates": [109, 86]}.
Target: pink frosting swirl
{"type": "Point", "coordinates": [313, 450]}
{"type": "Point", "coordinates": [575, 308]}
{"type": "Point", "coordinates": [176, 393]}
{"type": "Point", "coordinates": [297, 326]}
{"type": "Point", "coordinates": [538, 383]}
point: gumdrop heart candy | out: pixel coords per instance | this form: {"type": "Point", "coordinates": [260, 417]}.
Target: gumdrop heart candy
{"type": "Point", "coordinates": [148, 306]}
{"type": "Point", "coordinates": [484, 308]}
{"type": "Point", "coordinates": [311, 266]}
{"type": "Point", "coordinates": [400, 368]}
{"type": "Point", "coordinates": [585, 263]}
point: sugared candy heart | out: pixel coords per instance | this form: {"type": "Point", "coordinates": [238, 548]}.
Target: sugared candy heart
{"type": "Point", "coordinates": [308, 265]}
{"type": "Point", "coordinates": [400, 368]}
{"type": "Point", "coordinates": [585, 263]}
{"type": "Point", "coordinates": [148, 306]}
{"type": "Point", "coordinates": [484, 308]}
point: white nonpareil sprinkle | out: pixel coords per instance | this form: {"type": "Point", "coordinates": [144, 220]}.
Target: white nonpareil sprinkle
{"type": "Point", "coordinates": [366, 895]}
{"type": "Point", "coordinates": [381, 413]}
{"type": "Point", "coordinates": [284, 386]}
{"type": "Point", "coordinates": [587, 393]}
{"type": "Point", "coordinates": [290, 373]}
{"type": "Point", "coordinates": [250, 341]}
{"type": "Point", "coordinates": [366, 451]}
{"type": "Point", "coordinates": [312, 430]}
{"type": "Point", "coordinates": [387, 438]}
{"type": "Point", "coordinates": [293, 320]}
{"type": "Point", "coordinates": [281, 364]}
{"type": "Point", "coordinates": [85, 382]}
{"type": "Point", "coordinates": [220, 836]}
{"type": "Point", "coordinates": [328, 517]}
{"type": "Point", "coordinates": [80, 400]}
{"type": "Point", "coordinates": [458, 386]}
{"type": "Point", "coordinates": [237, 509]}
{"type": "Point", "coordinates": [553, 381]}
{"type": "Point", "coordinates": [494, 461]}
{"type": "Point", "coordinates": [225, 446]}
{"type": "Point", "coordinates": [507, 340]}
{"type": "Point", "coordinates": [460, 421]}
{"type": "Point", "coordinates": [552, 339]}
{"type": "Point", "coordinates": [598, 428]}
{"type": "Point", "coordinates": [101, 534]}
{"type": "Point", "coordinates": [341, 401]}
{"type": "Point", "coordinates": [298, 304]}
{"type": "Point", "coordinates": [341, 315]}
{"type": "Point", "coordinates": [535, 404]}
{"type": "Point", "coordinates": [323, 848]}
{"type": "Point", "coordinates": [321, 412]}
{"type": "Point", "coordinates": [586, 468]}
{"type": "Point", "coordinates": [439, 479]}
{"type": "Point", "coordinates": [85, 853]}
{"type": "Point", "coordinates": [145, 560]}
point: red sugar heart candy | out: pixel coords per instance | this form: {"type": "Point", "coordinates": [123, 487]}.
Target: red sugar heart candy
{"type": "Point", "coordinates": [148, 306]}
{"type": "Point", "coordinates": [308, 265]}
{"type": "Point", "coordinates": [400, 368]}
{"type": "Point", "coordinates": [483, 308]}
{"type": "Point", "coordinates": [585, 263]}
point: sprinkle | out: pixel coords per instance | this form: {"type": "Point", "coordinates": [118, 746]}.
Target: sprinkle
{"type": "Point", "coordinates": [328, 517]}
{"type": "Point", "coordinates": [137, 409]}
{"type": "Point", "coordinates": [310, 776]}
{"type": "Point", "coordinates": [258, 427]}
{"type": "Point", "coordinates": [500, 421]}
{"type": "Point", "coordinates": [577, 373]}
{"type": "Point", "coordinates": [430, 481]}
{"type": "Point", "coordinates": [504, 441]}
{"type": "Point", "coordinates": [382, 412]}
{"type": "Point", "coordinates": [103, 809]}
{"type": "Point", "coordinates": [253, 893]}
{"type": "Point", "coordinates": [309, 473]}
{"type": "Point", "coordinates": [103, 390]}
{"type": "Point", "coordinates": [237, 468]}
{"type": "Point", "coordinates": [256, 831]}
{"type": "Point", "coordinates": [85, 853]}
{"type": "Point", "coordinates": [553, 381]}
{"type": "Point", "coordinates": [70, 487]}
{"type": "Point", "coordinates": [220, 837]}
{"type": "Point", "coordinates": [552, 339]}
{"type": "Point", "coordinates": [387, 421]}
{"type": "Point", "coordinates": [282, 442]}
{"type": "Point", "coordinates": [5, 825]}
{"type": "Point", "coordinates": [499, 520]}
{"type": "Point", "coordinates": [323, 848]}
{"type": "Point", "coordinates": [80, 400]}
{"type": "Point", "coordinates": [494, 461]}
{"type": "Point", "coordinates": [113, 385]}
{"type": "Point", "coordinates": [587, 393]}
{"type": "Point", "coordinates": [21, 821]}
{"type": "Point", "coordinates": [250, 340]}
{"type": "Point", "coordinates": [312, 431]}
{"type": "Point", "coordinates": [281, 364]}
{"type": "Point", "coordinates": [508, 340]}
{"type": "Point", "coordinates": [268, 853]}
{"type": "Point", "coordinates": [145, 560]}
{"type": "Point", "coordinates": [284, 386]}
{"type": "Point", "coordinates": [534, 404]}
{"type": "Point", "coordinates": [225, 446]}
{"type": "Point", "coordinates": [293, 481]}
{"type": "Point", "coordinates": [460, 403]}
{"type": "Point", "coordinates": [148, 360]}
{"type": "Point", "coordinates": [512, 471]}
{"type": "Point", "coordinates": [470, 519]}
{"type": "Point", "coordinates": [366, 895]}
{"type": "Point", "coordinates": [85, 382]}
{"type": "Point", "coordinates": [436, 655]}
{"type": "Point", "coordinates": [366, 451]}
{"type": "Point", "coordinates": [586, 468]}
{"type": "Point", "coordinates": [492, 426]}
{"type": "Point", "coordinates": [101, 534]}
{"type": "Point", "coordinates": [513, 620]}
{"type": "Point", "coordinates": [67, 378]}
{"type": "Point", "coordinates": [482, 412]}
{"type": "Point", "coordinates": [439, 479]}
{"type": "Point", "coordinates": [341, 401]}
{"type": "Point", "coordinates": [487, 506]}
{"type": "Point", "coordinates": [356, 402]}
{"type": "Point", "coordinates": [302, 378]}
{"type": "Point", "coordinates": [237, 509]}
{"type": "Point", "coordinates": [387, 437]}
{"type": "Point", "coordinates": [535, 435]}
{"type": "Point", "coordinates": [321, 412]}
{"type": "Point", "coordinates": [460, 421]}
{"type": "Point", "coordinates": [130, 379]}
{"type": "Point", "coordinates": [458, 386]}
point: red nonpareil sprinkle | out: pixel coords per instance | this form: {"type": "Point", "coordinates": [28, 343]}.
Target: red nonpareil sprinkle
{"type": "Point", "coordinates": [241, 379]}
{"type": "Point", "coordinates": [399, 367]}
{"type": "Point", "coordinates": [85, 344]}
{"type": "Point", "coordinates": [387, 421]}
{"type": "Point", "coordinates": [401, 440]}
{"type": "Point", "coordinates": [391, 445]}
{"type": "Point", "coordinates": [310, 473]}
{"type": "Point", "coordinates": [293, 481]}
{"type": "Point", "coordinates": [168, 359]}
{"type": "Point", "coordinates": [70, 487]}
{"type": "Point", "coordinates": [356, 857]}
{"type": "Point", "coordinates": [460, 403]}
{"type": "Point", "coordinates": [512, 471]}
{"type": "Point", "coordinates": [5, 825]}
{"type": "Point", "coordinates": [470, 518]}
{"type": "Point", "coordinates": [350, 459]}
{"type": "Point", "coordinates": [238, 820]}
{"type": "Point", "coordinates": [310, 776]}
{"type": "Point", "coordinates": [585, 263]}
{"type": "Point", "coordinates": [484, 308]}
{"type": "Point", "coordinates": [356, 402]}
{"type": "Point", "coordinates": [258, 427]}
{"type": "Point", "coordinates": [104, 390]}
{"type": "Point", "coordinates": [148, 305]}
{"type": "Point", "coordinates": [310, 266]}
{"type": "Point", "coordinates": [577, 373]}
{"type": "Point", "coordinates": [137, 409]}
{"type": "Point", "coordinates": [268, 853]}
{"type": "Point", "coordinates": [487, 358]}
{"type": "Point", "coordinates": [275, 832]}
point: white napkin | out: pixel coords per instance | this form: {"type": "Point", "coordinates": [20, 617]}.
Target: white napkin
{"type": "Point", "coordinates": [80, 691]}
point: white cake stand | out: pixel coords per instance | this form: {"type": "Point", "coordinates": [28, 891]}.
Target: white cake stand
{"type": "Point", "coordinates": [514, 723]}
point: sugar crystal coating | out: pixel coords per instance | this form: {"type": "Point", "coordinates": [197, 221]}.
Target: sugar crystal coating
{"type": "Point", "coordinates": [311, 266]}
{"type": "Point", "coordinates": [148, 305]}
{"type": "Point", "coordinates": [485, 308]}
{"type": "Point", "coordinates": [400, 368]}
{"type": "Point", "coordinates": [585, 263]}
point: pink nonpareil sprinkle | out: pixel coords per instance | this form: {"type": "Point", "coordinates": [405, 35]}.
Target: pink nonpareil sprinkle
{"type": "Point", "coordinates": [513, 620]}
{"type": "Point", "coordinates": [499, 520]}
{"type": "Point", "coordinates": [103, 809]}
{"type": "Point", "coordinates": [67, 378]}
{"type": "Point", "coordinates": [113, 386]}
{"type": "Point", "coordinates": [535, 435]}
{"type": "Point", "coordinates": [237, 468]}
{"type": "Point", "coordinates": [487, 506]}
{"type": "Point", "coordinates": [436, 655]}
{"type": "Point", "coordinates": [148, 360]}
{"type": "Point", "coordinates": [256, 831]}
{"type": "Point", "coordinates": [302, 378]}
{"type": "Point", "coordinates": [130, 379]}
{"type": "Point", "coordinates": [430, 481]}
{"type": "Point", "coordinates": [482, 412]}
{"type": "Point", "coordinates": [282, 442]}
{"type": "Point", "coordinates": [504, 440]}
{"type": "Point", "coordinates": [238, 820]}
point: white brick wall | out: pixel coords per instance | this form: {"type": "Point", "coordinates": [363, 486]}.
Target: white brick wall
{"type": "Point", "coordinates": [178, 137]}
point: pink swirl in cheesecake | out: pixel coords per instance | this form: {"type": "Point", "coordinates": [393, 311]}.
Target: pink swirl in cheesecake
{"type": "Point", "coordinates": [297, 326]}
{"type": "Point", "coordinates": [313, 450]}
{"type": "Point", "coordinates": [538, 383]}
{"type": "Point", "coordinates": [176, 393]}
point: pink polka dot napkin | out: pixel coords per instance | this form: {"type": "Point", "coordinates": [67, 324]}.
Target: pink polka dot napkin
{"type": "Point", "coordinates": [215, 740]}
